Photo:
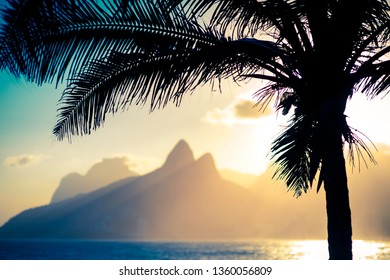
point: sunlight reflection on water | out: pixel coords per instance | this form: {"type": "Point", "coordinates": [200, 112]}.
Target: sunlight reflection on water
{"type": "Point", "coordinates": [318, 250]}
{"type": "Point", "coordinates": [128, 250]}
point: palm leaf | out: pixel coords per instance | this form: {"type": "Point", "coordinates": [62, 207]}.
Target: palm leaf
{"type": "Point", "coordinates": [297, 152]}
{"type": "Point", "coordinates": [251, 18]}
{"type": "Point", "coordinates": [46, 39]}
{"type": "Point", "coordinates": [374, 79]}
{"type": "Point", "coordinates": [159, 71]}
{"type": "Point", "coordinates": [294, 152]}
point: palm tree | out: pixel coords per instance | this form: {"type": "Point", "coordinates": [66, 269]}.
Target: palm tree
{"type": "Point", "coordinates": [119, 53]}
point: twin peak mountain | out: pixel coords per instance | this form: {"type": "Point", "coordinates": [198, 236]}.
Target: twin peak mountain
{"type": "Point", "coordinates": [115, 169]}
{"type": "Point", "coordinates": [184, 199]}
{"type": "Point", "coordinates": [182, 156]}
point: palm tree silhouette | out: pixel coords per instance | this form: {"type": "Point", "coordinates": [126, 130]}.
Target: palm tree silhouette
{"type": "Point", "coordinates": [314, 54]}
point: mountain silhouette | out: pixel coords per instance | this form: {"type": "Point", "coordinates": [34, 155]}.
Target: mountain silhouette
{"type": "Point", "coordinates": [184, 199]}
{"type": "Point", "coordinates": [179, 157]}
{"type": "Point", "coordinates": [99, 175]}
{"type": "Point", "coordinates": [187, 199]}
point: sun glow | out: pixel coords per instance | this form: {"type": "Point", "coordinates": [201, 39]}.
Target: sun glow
{"type": "Point", "coordinates": [370, 117]}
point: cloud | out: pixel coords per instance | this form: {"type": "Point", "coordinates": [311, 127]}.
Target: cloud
{"type": "Point", "coordinates": [246, 109]}
{"type": "Point", "coordinates": [24, 160]}
{"type": "Point", "coordinates": [241, 111]}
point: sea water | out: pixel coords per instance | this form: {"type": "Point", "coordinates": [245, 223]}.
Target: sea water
{"type": "Point", "coordinates": [126, 250]}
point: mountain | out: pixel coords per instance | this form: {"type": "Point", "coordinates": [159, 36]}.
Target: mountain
{"type": "Point", "coordinates": [185, 199]}
{"type": "Point", "coordinates": [188, 199]}
{"type": "Point", "coordinates": [180, 156]}
{"type": "Point", "coordinates": [100, 174]}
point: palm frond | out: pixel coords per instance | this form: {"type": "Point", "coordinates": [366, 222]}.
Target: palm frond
{"type": "Point", "coordinates": [30, 38]}
{"type": "Point", "coordinates": [45, 39]}
{"type": "Point", "coordinates": [294, 151]}
{"type": "Point", "coordinates": [370, 48]}
{"type": "Point", "coordinates": [374, 79]}
{"type": "Point", "coordinates": [278, 18]}
{"type": "Point", "coordinates": [350, 30]}
{"type": "Point", "coordinates": [155, 74]}
{"type": "Point", "coordinates": [298, 152]}
{"type": "Point", "coordinates": [358, 150]}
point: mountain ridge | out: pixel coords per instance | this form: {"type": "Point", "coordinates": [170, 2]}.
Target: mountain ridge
{"type": "Point", "coordinates": [183, 199]}
{"type": "Point", "coordinates": [191, 200]}
{"type": "Point", "coordinates": [100, 174]}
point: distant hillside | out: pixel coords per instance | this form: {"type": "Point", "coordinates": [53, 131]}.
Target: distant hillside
{"type": "Point", "coordinates": [100, 174]}
{"type": "Point", "coordinates": [184, 199]}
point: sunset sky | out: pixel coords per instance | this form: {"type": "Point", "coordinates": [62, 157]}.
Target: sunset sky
{"type": "Point", "coordinates": [32, 161]}
{"type": "Point", "coordinates": [238, 136]}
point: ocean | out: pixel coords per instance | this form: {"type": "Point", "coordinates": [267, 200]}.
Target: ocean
{"type": "Point", "coordinates": [127, 250]}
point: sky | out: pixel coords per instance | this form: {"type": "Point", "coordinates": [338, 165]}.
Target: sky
{"type": "Point", "coordinates": [32, 161]}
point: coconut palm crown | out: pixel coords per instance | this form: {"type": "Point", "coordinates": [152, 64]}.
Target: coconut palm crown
{"type": "Point", "coordinates": [116, 53]}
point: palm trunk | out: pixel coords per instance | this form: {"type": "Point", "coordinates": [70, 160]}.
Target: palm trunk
{"type": "Point", "coordinates": [337, 198]}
